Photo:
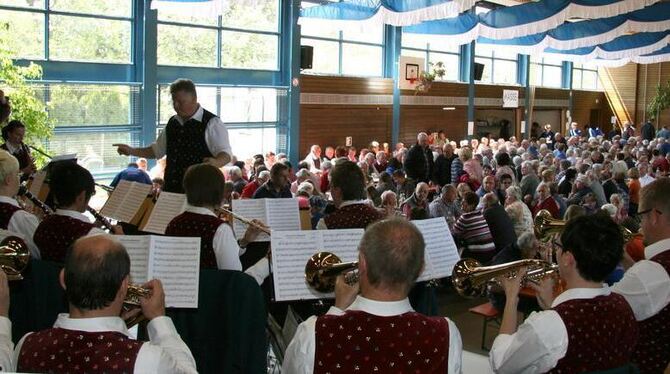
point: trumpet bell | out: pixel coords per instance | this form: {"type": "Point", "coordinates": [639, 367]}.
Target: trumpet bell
{"type": "Point", "coordinates": [546, 226]}
{"type": "Point", "coordinates": [314, 269]}
{"type": "Point", "coordinates": [14, 257]}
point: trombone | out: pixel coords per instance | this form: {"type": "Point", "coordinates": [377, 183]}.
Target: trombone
{"type": "Point", "coordinates": [546, 227]}
{"type": "Point", "coordinates": [322, 269]}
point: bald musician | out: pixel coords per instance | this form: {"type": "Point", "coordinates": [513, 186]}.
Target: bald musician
{"type": "Point", "coordinates": [204, 186]}
{"type": "Point", "coordinates": [586, 328]}
{"type": "Point", "coordinates": [347, 187]}
{"type": "Point", "coordinates": [377, 330]}
{"type": "Point", "coordinates": [646, 284]}
{"type": "Point", "coordinates": [12, 216]}
{"type": "Point", "coordinates": [192, 136]}
{"type": "Point", "coordinates": [92, 337]}
{"type": "Point", "coordinates": [72, 187]}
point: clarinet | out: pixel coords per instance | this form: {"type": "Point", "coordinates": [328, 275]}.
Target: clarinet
{"type": "Point", "coordinates": [100, 218]}
{"type": "Point", "coordinates": [23, 191]}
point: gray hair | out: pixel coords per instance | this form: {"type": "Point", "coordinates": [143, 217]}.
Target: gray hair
{"type": "Point", "coordinates": [526, 240]}
{"type": "Point", "coordinates": [326, 165]}
{"type": "Point", "coordinates": [235, 170]}
{"type": "Point", "coordinates": [515, 192]}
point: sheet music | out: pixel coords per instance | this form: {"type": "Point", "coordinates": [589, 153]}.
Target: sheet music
{"type": "Point", "coordinates": [441, 253]}
{"type": "Point", "coordinates": [168, 206]}
{"type": "Point", "coordinates": [126, 200]}
{"type": "Point", "coordinates": [292, 249]}
{"type": "Point", "coordinates": [251, 209]}
{"type": "Point", "coordinates": [138, 248]}
{"type": "Point", "coordinates": [63, 157]}
{"type": "Point", "coordinates": [283, 214]}
{"type": "Point", "coordinates": [176, 262]}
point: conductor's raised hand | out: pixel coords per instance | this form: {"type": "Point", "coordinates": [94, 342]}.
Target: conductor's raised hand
{"type": "Point", "coordinates": [153, 305]}
{"type": "Point", "coordinates": [123, 149]}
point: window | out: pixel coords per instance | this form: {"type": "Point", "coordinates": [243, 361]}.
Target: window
{"type": "Point", "coordinates": [345, 52]}
{"type": "Point", "coordinates": [433, 48]}
{"type": "Point", "coordinates": [546, 72]}
{"type": "Point", "coordinates": [585, 77]}
{"type": "Point", "coordinates": [245, 37]}
{"type": "Point", "coordinates": [74, 29]}
{"type": "Point", "coordinates": [500, 65]}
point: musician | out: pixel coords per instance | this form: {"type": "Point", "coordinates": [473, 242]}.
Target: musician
{"type": "Point", "coordinates": [347, 187]}
{"type": "Point", "coordinates": [645, 285]}
{"type": "Point", "coordinates": [377, 330]}
{"type": "Point", "coordinates": [72, 187]}
{"type": "Point", "coordinates": [5, 108]}
{"type": "Point", "coordinates": [92, 337]}
{"type": "Point", "coordinates": [277, 186]}
{"type": "Point", "coordinates": [587, 327]}
{"type": "Point", "coordinates": [12, 217]}
{"type": "Point", "coordinates": [204, 186]}
{"type": "Point", "coordinates": [13, 135]}
{"type": "Point", "coordinates": [192, 136]}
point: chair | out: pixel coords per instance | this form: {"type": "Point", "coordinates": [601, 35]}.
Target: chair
{"type": "Point", "coordinates": [490, 314]}
{"type": "Point", "coordinates": [226, 333]}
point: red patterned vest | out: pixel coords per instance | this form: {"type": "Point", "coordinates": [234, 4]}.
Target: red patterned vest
{"type": "Point", "coordinates": [354, 216]}
{"type": "Point", "coordinates": [56, 233]}
{"type": "Point", "coordinates": [202, 225]}
{"type": "Point", "coordinates": [59, 350]}
{"type": "Point", "coordinates": [359, 342]}
{"type": "Point", "coordinates": [6, 212]}
{"type": "Point", "coordinates": [602, 333]}
{"type": "Point", "coordinates": [652, 353]}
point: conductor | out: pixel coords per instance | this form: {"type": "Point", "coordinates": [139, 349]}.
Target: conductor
{"type": "Point", "coordinates": [192, 136]}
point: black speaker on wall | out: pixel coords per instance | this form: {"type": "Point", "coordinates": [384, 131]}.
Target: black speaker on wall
{"type": "Point", "coordinates": [479, 71]}
{"type": "Point", "coordinates": [306, 54]}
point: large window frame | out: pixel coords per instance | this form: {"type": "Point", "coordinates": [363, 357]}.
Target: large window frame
{"type": "Point", "coordinates": [578, 73]}
{"type": "Point", "coordinates": [490, 60]}
{"type": "Point", "coordinates": [429, 51]}
{"type": "Point", "coordinates": [543, 64]}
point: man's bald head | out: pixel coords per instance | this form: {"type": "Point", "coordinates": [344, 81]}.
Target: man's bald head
{"type": "Point", "coordinates": [94, 271]}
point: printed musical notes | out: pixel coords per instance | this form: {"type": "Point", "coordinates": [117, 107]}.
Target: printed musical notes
{"type": "Point", "coordinates": [278, 214]}
{"type": "Point", "coordinates": [126, 200]}
{"type": "Point", "coordinates": [168, 206]}
{"type": "Point", "coordinates": [441, 253]}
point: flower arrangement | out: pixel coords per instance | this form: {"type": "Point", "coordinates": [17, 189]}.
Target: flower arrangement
{"type": "Point", "coordinates": [426, 78]}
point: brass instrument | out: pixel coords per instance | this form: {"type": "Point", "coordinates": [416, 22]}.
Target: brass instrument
{"type": "Point", "coordinates": [244, 220]}
{"type": "Point", "coordinates": [133, 297]}
{"type": "Point", "coordinates": [546, 227]}
{"type": "Point", "coordinates": [322, 269]}
{"type": "Point", "coordinates": [14, 257]}
{"type": "Point", "coordinates": [470, 278]}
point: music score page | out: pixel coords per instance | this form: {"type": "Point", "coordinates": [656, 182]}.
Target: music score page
{"type": "Point", "coordinates": [125, 200]}
{"type": "Point", "coordinates": [441, 254]}
{"type": "Point", "coordinates": [168, 206]}
{"type": "Point", "coordinates": [278, 214]}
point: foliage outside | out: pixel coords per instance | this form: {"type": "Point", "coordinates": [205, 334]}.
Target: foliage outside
{"type": "Point", "coordinates": [660, 101]}
{"type": "Point", "coordinates": [435, 70]}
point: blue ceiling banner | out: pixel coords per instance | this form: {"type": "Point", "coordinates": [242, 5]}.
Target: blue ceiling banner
{"type": "Point", "coordinates": [626, 46]}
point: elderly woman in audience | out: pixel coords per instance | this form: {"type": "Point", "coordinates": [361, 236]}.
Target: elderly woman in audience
{"type": "Point", "coordinates": [545, 201]}
{"type": "Point", "coordinates": [301, 176]}
{"type": "Point", "coordinates": [518, 212]}
{"type": "Point", "coordinates": [389, 205]}
{"type": "Point", "coordinates": [416, 206]}
{"type": "Point", "coordinates": [304, 192]}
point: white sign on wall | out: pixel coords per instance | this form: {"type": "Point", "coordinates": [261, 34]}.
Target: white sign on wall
{"type": "Point", "coordinates": [410, 71]}
{"type": "Point", "coordinates": [510, 99]}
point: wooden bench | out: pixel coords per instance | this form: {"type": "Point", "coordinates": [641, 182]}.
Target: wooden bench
{"type": "Point", "coordinates": [490, 314]}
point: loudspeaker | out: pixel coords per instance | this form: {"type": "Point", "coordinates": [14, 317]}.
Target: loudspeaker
{"type": "Point", "coordinates": [479, 71]}
{"type": "Point", "coordinates": [306, 54]}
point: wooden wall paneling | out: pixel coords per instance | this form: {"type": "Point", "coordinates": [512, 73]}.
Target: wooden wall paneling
{"type": "Point", "coordinates": [551, 93]}
{"type": "Point", "coordinates": [346, 85]}
{"type": "Point", "coordinates": [586, 101]}
{"type": "Point", "coordinates": [621, 86]}
{"type": "Point", "coordinates": [414, 119]}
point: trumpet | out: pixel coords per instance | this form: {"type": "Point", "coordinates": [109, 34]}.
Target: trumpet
{"type": "Point", "coordinates": [322, 269]}
{"type": "Point", "coordinates": [14, 257]}
{"type": "Point", "coordinates": [133, 300]}
{"type": "Point", "coordinates": [470, 278]}
{"type": "Point", "coordinates": [244, 220]}
{"type": "Point", "coordinates": [546, 227]}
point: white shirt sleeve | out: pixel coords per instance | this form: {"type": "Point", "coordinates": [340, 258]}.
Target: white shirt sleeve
{"type": "Point", "coordinates": [226, 249]}
{"type": "Point", "coordinates": [165, 352]}
{"type": "Point", "coordinates": [455, 365]}
{"type": "Point", "coordinates": [160, 145]}
{"type": "Point", "coordinates": [6, 345]}
{"type": "Point", "coordinates": [216, 137]}
{"type": "Point", "coordinates": [17, 350]}
{"type": "Point", "coordinates": [536, 347]}
{"type": "Point", "coordinates": [25, 224]}
{"type": "Point", "coordinates": [645, 287]}
{"type": "Point", "coordinates": [260, 270]}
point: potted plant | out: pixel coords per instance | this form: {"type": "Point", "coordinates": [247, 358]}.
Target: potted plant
{"type": "Point", "coordinates": [660, 101]}
{"type": "Point", "coordinates": [426, 78]}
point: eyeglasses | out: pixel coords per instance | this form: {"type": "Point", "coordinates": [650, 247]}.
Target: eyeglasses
{"type": "Point", "coordinates": [642, 213]}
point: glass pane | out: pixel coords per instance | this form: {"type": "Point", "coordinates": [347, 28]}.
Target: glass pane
{"type": "Point", "coordinates": [311, 29]}
{"type": "Point", "coordinates": [373, 34]}
{"type": "Point", "coordinates": [553, 61]}
{"type": "Point", "coordinates": [212, 20]}
{"type": "Point", "coordinates": [413, 53]}
{"type": "Point", "coordinates": [253, 15]}
{"type": "Point", "coordinates": [484, 50]}
{"type": "Point", "coordinates": [249, 104]}
{"type": "Point", "coordinates": [27, 30]}
{"type": "Point", "coordinates": [94, 150]}
{"type": "Point", "coordinates": [450, 64]}
{"type": "Point", "coordinates": [443, 44]}
{"type": "Point", "coordinates": [482, 10]}
{"type": "Point", "coordinates": [248, 142]}
{"type": "Point", "coordinates": [590, 80]}
{"type": "Point", "coordinates": [410, 40]}
{"type": "Point", "coordinates": [552, 76]}
{"type": "Point", "coordinates": [91, 105]}
{"type": "Point", "coordinates": [505, 52]}
{"type": "Point", "coordinates": [576, 79]}
{"type": "Point", "coordinates": [179, 45]}
{"type": "Point", "coordinates": [206, 98]}
{"type": "Point", "coordinates": [361, 60]}
{"type": "Point", "coordinates": [249, 51]}
{"type": "Point", "coordinates": [326, 56]}
{"type": "Point", "coordinates": [118, 8]}
{"type": "Point", "coordinates": [24, 3]}
{"type": "Point", "coordinates": [589, 66]}
{"type": "Point", "coordinates": [504, 72]}
{"type": "Point", "coordinates": [486, 76]}
{"type": "Point", "coordinates": [535, 59]}
{"type": "Point", "coordinates": [88, 39]}
{"type": "Point", "coordinates": [535, 75]}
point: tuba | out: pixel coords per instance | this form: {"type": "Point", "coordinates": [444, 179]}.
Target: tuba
{"type": "Point", "coordinates": [133, 297]}
{"type": "Point", "coordinates": [14, 257]}
{"type": "Point", "coordinates": [470, 278]}
{"type": "Point", "coordinates": [546, 227]}
{"type": "Point", "coordinates": [322, 269]}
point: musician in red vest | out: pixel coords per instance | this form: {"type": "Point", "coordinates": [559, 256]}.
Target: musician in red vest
{"type": "Point", "coordinates": [377, 330]}
{"type": "Point", "coordinates": [204, 185]}
{"type": "Point", "coordinates": [347, 187]}
{"type": "Point", "coordinates": [646, 285]}
{"type": "Point", "coordinates": [12, 216]}
{"type": "Point", "coordinates": [586, 328]}
{"type": "Point", "coordinates": [72, 187]}
{"type": "Point", "coordinates": [92, 338]}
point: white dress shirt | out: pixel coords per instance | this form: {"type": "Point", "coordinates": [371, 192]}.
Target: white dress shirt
{"type": "Point", "coordinates": [228, 252]}
{"type": "Point", "coordinates": [540, 341]}
{"type": "Point", "coordinates": [6, 345]}
{"type": "Point", "coordinates": [646, 179]}
{"type": "Point", "coordinates": [23, 223]}
{"type": "Point", "coordinates": [310, 161]}
{"type": "Point", "coordinates": [216, 136]}
{"type": "Point", "coordinates": [165, 352]}
{"type": "Point", "coordinates": [82, 217]}
{"type": "Point", "coordinates": [645, 284]}
{"type": "Point", "coordinates": [299, 357]}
